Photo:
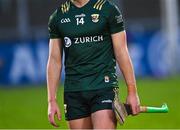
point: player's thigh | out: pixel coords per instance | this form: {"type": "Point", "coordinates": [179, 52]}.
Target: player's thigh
{"type": "Point", "coordinates": [83, 123]}
{"type": "Point", "coordinates": [77, 112]}
{"type": "Point", "coordinates": [104, 119]}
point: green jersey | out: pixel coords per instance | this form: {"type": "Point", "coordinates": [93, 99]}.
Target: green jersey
{"type": "Point", "coordinates": [86, 34]}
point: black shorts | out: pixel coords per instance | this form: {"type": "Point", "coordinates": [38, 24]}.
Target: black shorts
{"type": "Point", "coordinates": [82, 104]}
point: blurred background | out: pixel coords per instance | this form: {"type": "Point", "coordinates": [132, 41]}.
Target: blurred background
{"type": "Point", "coordinates": [153, 28]}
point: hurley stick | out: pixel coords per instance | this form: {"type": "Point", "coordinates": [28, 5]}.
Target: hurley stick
{"type": "Point", "coordinates": [147, 109]}
{"type": "Point", "coordinates": [122, 110]}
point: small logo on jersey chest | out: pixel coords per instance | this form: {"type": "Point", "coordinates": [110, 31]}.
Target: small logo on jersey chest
{"type": "Point", "coordinates": [95, 18]}
{"type": "Point", "coordinates": [65, 20]}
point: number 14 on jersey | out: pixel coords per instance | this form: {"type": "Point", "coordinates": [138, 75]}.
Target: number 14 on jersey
{"type": "Point", "coordinates": [80, 21]}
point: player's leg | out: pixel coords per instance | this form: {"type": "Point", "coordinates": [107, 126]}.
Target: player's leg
{"type": "Point", "coordinates": [77, 111]}
{"type": "Point", "coordinates": [83, 123]}
{"type": "Point", "coordinates": [104, 119]}
{"type": "Point", "coordinates": [102, 114]}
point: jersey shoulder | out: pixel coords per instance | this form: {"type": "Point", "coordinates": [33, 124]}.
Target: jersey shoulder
{"type": "Point", "coordinates": [104, 5]}
{"type": "Point", "coordinates": [99, 4]}
{"type": "Point", "coordinates": [65, 7]}
{"type": "Point", "coordinates": [52, 17]}
{"type": "Point", "coordinates": [61, 10]}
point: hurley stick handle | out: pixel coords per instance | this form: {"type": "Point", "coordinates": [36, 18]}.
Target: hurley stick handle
{"type": "Point", "coordinates": [162, 109]}
{"type": "Point", "coordinates": [146, 109]}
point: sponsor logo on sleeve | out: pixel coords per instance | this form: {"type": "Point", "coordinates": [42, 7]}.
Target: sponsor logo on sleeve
{"type": "Point", "coordinates": [119, 18]}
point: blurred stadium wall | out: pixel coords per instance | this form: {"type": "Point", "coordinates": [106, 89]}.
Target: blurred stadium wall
{"type": "Point", "coordinates": [152, 27]}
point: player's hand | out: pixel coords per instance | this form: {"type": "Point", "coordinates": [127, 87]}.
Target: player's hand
{"type": "Point", "coordinates": [134, 102]}
{"type": "Point", "coordinates": [53, 110]}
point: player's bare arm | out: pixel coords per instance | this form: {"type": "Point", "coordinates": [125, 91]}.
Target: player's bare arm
{"type": "Point", "coordinates": [54, 67]}
{"type": "Point", "coordinates": [124, 61]}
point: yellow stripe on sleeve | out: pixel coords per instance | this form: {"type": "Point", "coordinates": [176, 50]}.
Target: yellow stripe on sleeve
{"type": "Point", "coordinates": [97, 3]}
{"type": "Point", "coordinates": [97, 7]}
{"type": "Point", "coordinates": [100, 7]}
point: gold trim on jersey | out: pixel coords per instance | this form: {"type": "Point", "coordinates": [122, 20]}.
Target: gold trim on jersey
{"type": "Point", "coordinates": [65, 7]}
{"type": "Point", "coordinates": [99, 4]}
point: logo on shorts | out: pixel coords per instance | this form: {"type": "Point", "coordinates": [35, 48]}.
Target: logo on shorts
{"type": "Point", "coordinates": [67, 42]}
{"type": "Point", "coordinates": [106, 101]}
{"type": "Point", "coordinates": [106, 79]}
{"type": "Point", "coordinates": [95, 18]}
{"type": "Point", "coordinates": [65, 108]}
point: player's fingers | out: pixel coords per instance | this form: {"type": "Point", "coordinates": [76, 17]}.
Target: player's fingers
{"type": "Point", "coordinates": [51, 119]}
{"type": "Point", "coordinates": [138, 109]}
{"type": "Point", "coordinates": [134, 110]}
{"type": "Point", "coordinates": [59, 115]}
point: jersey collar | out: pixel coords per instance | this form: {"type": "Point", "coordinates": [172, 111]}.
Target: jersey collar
{"type": "Point", "coordinates": [88, 3]}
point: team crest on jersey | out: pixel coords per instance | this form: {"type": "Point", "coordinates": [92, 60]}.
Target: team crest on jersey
{"type": "Point", "coordinates": [95, 18]}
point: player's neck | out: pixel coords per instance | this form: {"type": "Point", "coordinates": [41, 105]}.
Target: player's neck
{"type": "Point", "coordinates": [80, 3]}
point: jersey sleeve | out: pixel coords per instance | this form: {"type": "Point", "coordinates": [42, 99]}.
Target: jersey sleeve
{"type": "Point", "coordinates": [52, 26]}
{"type": "Point", "coordinates": [116, 22]}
